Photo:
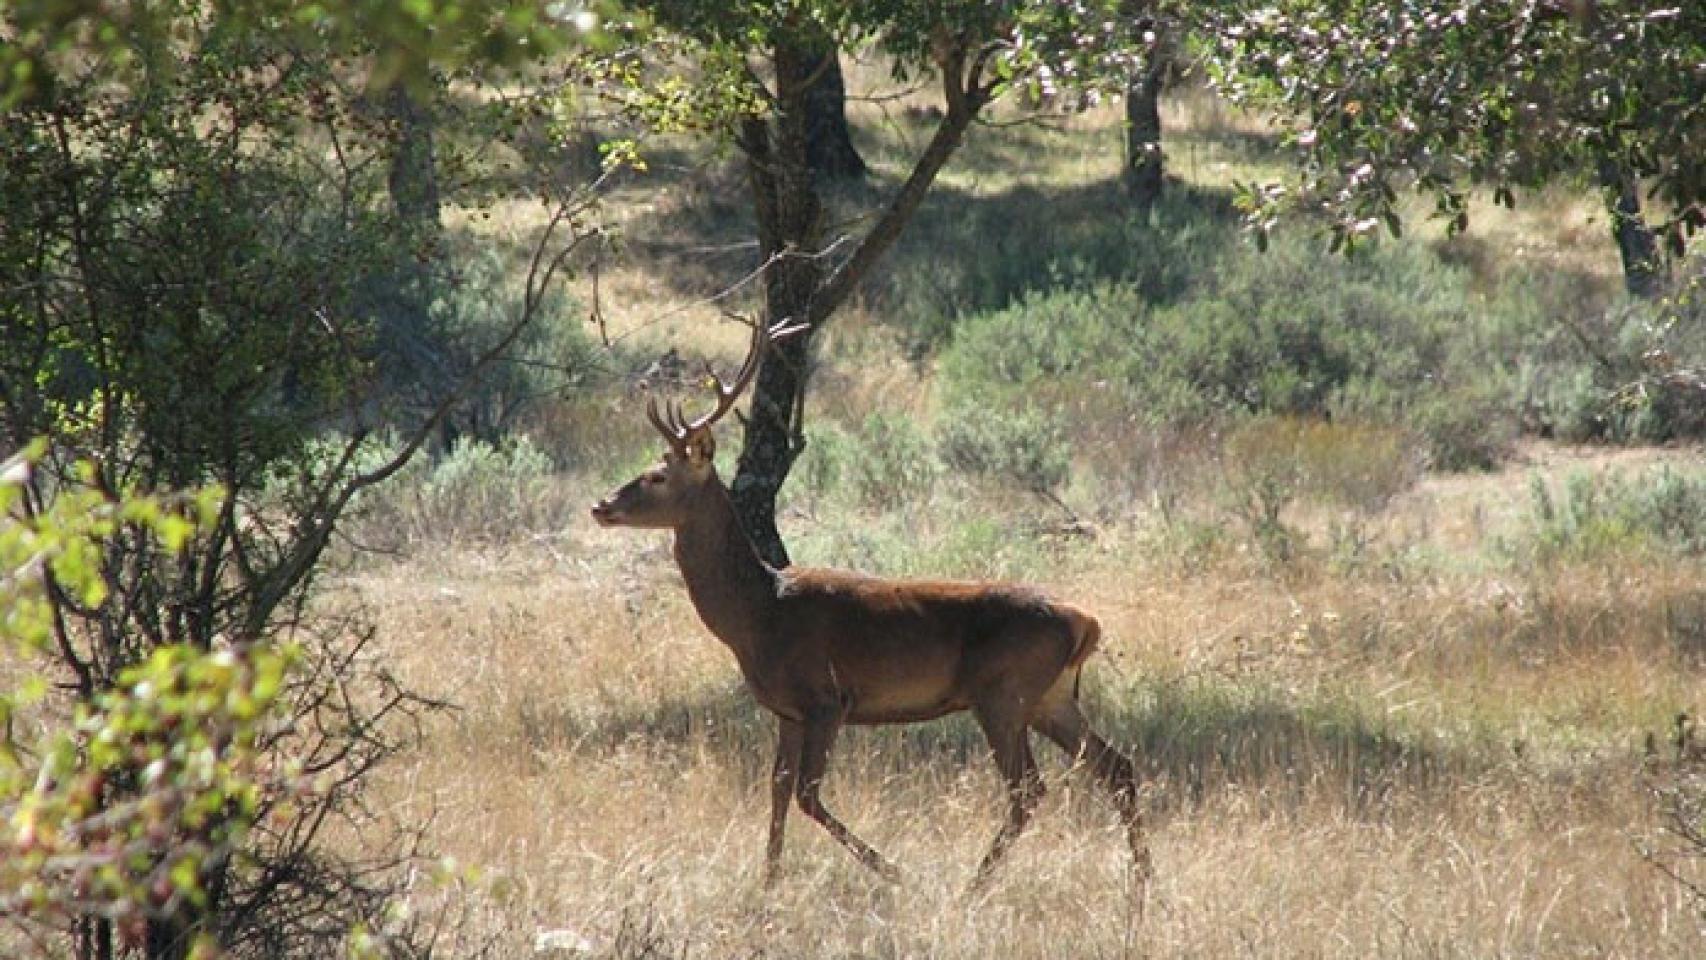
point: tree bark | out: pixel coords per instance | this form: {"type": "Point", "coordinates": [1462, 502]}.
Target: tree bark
{"type": "Point", "coordinates": [1644, 272]}
{"type": "Point", "coordinates": [789, 217]}
{"type": "Point", "coordinates": [829, 141]}
{"type": "Point", "coordinates": [1143, 156]}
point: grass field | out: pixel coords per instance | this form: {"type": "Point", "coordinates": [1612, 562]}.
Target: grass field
{"type": "Point", "coordinates": [1447, 761]}
{"type": "Point", "coordinates": [1440, 724]}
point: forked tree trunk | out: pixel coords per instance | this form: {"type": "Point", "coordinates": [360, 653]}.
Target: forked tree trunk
{"type": "Point", "coordinates": [789, 215]}
{"type": "Point", "coordinates": [801, 284]}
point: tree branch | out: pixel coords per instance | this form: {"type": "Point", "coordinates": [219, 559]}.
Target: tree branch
{"type": "Point", "coordinates": [963, 107]}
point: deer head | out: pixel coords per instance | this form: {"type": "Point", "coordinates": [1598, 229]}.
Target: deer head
{"type": "Point", "coordinates": [665, 495]}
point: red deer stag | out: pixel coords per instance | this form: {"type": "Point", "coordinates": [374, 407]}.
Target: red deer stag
{"type": "Point", "coordinates": [824, 648]}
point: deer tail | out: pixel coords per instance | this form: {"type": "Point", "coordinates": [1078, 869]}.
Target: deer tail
{"type": "Point", "coordinates": [1086, 633]}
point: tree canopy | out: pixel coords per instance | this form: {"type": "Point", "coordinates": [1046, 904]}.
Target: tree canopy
{"type": "Point", "coordinates": [1452, 97]}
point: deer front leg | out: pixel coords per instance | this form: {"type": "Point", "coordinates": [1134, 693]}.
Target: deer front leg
{"type": "Point", "coordinates": [820, 730]}
{"type": "Point", "coordinates": [790, 737]}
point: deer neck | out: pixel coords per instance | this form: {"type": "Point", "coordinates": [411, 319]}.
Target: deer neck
{"type": "Point", "coordinates": [733, 589]}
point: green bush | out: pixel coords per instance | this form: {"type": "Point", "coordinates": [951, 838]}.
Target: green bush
{"type": "Point", "coordinates": [475, 301]}
{"type": "Point", "coordinates": [1392, 336]}
{"type": "Point", "coordinates": [896, 464]}
{"type": "Point", "coordinates": [1169, 322]}
{"type": "Point", "coordinates": [1029, 245]}
{"type": "Point", "coordinates": [1458, 428]}
{"type": "Point", "coordinates": [827, 460]}
{"type": "Point", "coordinates": [1027, 449]}
{"type": "Point", "coordinates": [473, 491]}
{"type": "Point", "coordinates": [890, 462]}
{"type": "Point", "coordinates": [1609, 515]}
{"type": "Point", "coordinates": [1633, 373]}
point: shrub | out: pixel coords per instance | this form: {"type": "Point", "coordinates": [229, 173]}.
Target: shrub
{"type": "Point", "coordinates": [1269, 462]}
{"type": "Point", "coordinates": [1607, 515]}
{"type": "Point", "coordinates": [1391, 336]}
{"type": "Point", "coordinates": [827, 459]}
{"type": "Point", "coordinates": [1028, 247]}
{"type": "Point", "coordinates": [1262, 476]}
{"type": "Point", "coordinates": [1463, 428]}
{"type": "Point", "coordinates": [896, 464]}
{"type": "Point", "coordinates": [475, 300]}
{"type": "Point", "coordinates": [1634, 373]}
{"type": "Point", "coordinates": [476, 490]}
{"type": "Point", "coordinates": [1027, 449]}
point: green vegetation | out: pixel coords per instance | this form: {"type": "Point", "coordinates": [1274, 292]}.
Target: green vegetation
{"type": "Point", "coordinates": [200, 260]}
{"type": "Point", "coordinates": [1611, 516]}
{"type": "Point", "coordinates": [1493, 97]}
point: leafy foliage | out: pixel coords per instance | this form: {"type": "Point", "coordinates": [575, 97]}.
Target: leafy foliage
{"type": "Point", "coordinates": [175, 735]}
{"type": "Point", "coordinates": [404, 40]}
{"type": "Point", "coordinates": [195, 229]}
{"type": "Point", "coordinates": [1028, 449]}
{"type": "Point", "coordinates": [1391, 337]}
{"type": "Point", "coordinates": [1451, 97]}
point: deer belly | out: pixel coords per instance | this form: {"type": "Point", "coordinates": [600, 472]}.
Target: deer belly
{"type": "Point", "coordinates": [921, 698]}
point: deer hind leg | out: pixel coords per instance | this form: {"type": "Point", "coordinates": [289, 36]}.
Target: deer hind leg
{"type": "Point", "coordinates": [1064, 723]}
{"type": "Point", "coordinates": [790, 741]}
{"type": "Point", "coordinates": [819, 736]}
{"type": "Point", "coordinates": [1004, 725]}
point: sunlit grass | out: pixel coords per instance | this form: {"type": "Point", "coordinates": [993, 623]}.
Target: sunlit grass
{"type": "Point", "coordinates": [1339, 765]}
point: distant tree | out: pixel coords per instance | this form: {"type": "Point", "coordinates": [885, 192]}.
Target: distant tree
{"type": "Point", "coordinates": [762, 60]}
{"type": "Point", "coordinates": [1451, 97]}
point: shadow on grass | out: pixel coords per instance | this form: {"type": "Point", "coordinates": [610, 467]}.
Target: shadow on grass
{"type": "Point", "coordinates": [963, 253]}
{"type": "Point", "coordinates": [1190, 740]}
{"type": "Point", "coordinates": [688, 221]}
{"type": "Point", "coordinates": [1195, 738]}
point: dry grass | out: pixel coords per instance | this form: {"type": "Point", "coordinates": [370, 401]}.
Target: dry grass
{"type": "Point", "coordinates": [1342, 766]}
{"type": "Point", "coordinates": [1437, 753]}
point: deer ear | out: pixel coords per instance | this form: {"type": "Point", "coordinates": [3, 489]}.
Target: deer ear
{"type": "Point", "coordinates": [701, 447]}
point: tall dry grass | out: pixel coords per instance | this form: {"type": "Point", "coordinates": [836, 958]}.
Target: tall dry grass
{"type": "Point", "coordinates": [1446, 763]}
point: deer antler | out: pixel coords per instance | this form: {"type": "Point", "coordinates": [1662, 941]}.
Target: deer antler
{"type": "Point", "coordinates": [673, 423]}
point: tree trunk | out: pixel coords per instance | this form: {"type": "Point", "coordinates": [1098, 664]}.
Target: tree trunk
{"type": "Point", "coordinates": [1644, 272]}
{"type": "Point", "coordinates": [789, 220]}
{"type": "Point", "coordinates": [413, 176]}
{"type": "Point", "coordinates": [168, 938]}
{"type": "Point", "coordinates": [1143, 158]}
{"type": "Point", "coordinates": [829, 142]}
{"type": "Point", "coordinates": [800, 284]}
{"type": "Point", "coordinates": [413, 184]}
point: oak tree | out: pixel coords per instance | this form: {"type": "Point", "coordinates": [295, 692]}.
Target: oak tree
{"type": "Point", "coordinates": [1453, 97]}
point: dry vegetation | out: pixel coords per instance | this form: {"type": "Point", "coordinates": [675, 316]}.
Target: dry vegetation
{"type": "Point", "coordinates": [1435, 763]}
{"type": "Point", "coordinates": [1411, 736]}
